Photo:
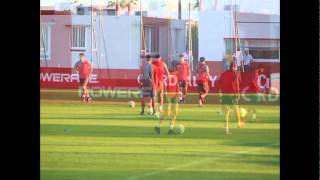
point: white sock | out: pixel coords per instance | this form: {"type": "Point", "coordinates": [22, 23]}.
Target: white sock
{"type": "Point", "coordinates": [171, 126]}
{"type": "Point", "coordinates": [254, 116]}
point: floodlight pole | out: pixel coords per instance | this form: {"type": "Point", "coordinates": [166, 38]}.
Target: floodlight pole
{"type": "Point", "coordinates": [91, 32]}
{"type": "Point", "coordinates": [43, 44]}
{"type": "Point", "coordinates": [189, 40]}
{"type": "Point", "coordinates": [142, 39]}
{"type": "Point", "coordinates": [179, 9]}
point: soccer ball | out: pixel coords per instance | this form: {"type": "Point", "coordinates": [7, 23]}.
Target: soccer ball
{"type": "Point", "coordinates": [180, 129]}
{"type": "Point", "coordinates": [131, 104]}
{"type": "Point", "coordinates": [243, 112]}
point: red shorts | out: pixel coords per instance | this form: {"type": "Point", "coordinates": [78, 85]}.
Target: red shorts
{"type": "Point", "coordinates": [183, 83]}
{"type": "Point", "coordinates": [83, 81]}
{"type": "Point", "coordinates": [203, 87]}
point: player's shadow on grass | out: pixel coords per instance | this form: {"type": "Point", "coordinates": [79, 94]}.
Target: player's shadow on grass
{"type": "Point", "coordinates": [240, 137]}
{"type": "Point", "coordinates": [232, 174]}
{"type": "Point", "coordinates": [109, 116]}
{"type": "Point", "coordinates": [116, 116]}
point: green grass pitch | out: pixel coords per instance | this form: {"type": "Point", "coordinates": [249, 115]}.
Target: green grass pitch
{"type": "Point", "coordinates": [109, 140]}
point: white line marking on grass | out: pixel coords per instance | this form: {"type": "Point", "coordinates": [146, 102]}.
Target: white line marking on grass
{"type": "Point", "coordinates": [199, 162]}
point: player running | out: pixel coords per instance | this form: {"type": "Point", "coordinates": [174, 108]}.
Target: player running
{"type": "Point", "coordinates": [255, 98]}
{"type": "Point", "coordinates": [147, 85]}
{"type": "Point", "coordinates": [171, 96]}
{"type": "Point", "coordinates": [160, 69]}
{"type": "Point", "coordinates": [229, 95]}
{"type": "Point", "coordinates": [184, 76]}
{"type": "Point", "coordinates": [202, 80]}
{"type": "Point", "coordinates": [84, 68]}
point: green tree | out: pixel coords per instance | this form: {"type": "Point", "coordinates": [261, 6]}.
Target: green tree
{"type": "Point", "coordinates": [197, 4]}
{"type": "Point", "coordinates": [179, 9]}
{"type": "Point", "coordinates": [122, 3]}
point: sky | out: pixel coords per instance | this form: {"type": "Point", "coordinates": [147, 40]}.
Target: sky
{"type": "Point", "coordinates": [169, 8]}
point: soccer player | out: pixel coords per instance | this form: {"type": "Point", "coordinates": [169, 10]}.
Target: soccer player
{"type": "Point", "coordinates": [160, 69]}
{"type": "Point", "coordinates": [255, 98]}
{"type": "Point", "coordinates": [238, 59]}
{"type": "Point", "coordinates": [84, 68]}
{"type": "Point", "coordinates": [147, 84]}
{"type": "Point", "coordinates": [184, 76]}
{"type": "Point", "coordinates": [171, 97]}
{"type": "Point", "coordinates": [229, 95]}
{"type": "Point", "coordinates": [247, 60]}
{"type": "Point", "coordinates": [202, 80]}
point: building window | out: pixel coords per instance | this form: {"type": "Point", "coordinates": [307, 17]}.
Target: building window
{"type": "Point", "coordinates": [259, 49]}
{"type": "Point", "coordinates": [111, 12]}
{"type": "Point", "coordinates": [78, 37]}
{"type": "Point", "coordinates": [151, 37]}
{"type": "Point", "coordinates": [230, 46]}
{"type": "Point", "coordinates": [177, 40]}
{"type": "Point", "coordinates": [45, 42]}
{"type": "Point", "coordinates": [264, 52]}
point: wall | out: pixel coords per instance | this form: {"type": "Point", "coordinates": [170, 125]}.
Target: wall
{"type": "Point", "coordinates": [122, 41]}
{"type": "Point", "coordinates": [60, 43]}
{"type": "Point", "coordinates": [213, 27]}
{"type": "Point", "coordinates": [167, 36]}
{"type": "Point", "coordinates": [163, 42]}
{"type": "Point", "coordinates": [177, 49]}
{"type": "Point", "coordinates": [121, 35]}
{"type": "Point", "coordinates": [66, 78]}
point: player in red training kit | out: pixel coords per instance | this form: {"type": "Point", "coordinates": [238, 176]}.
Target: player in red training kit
{"type": "Point", "coordinates": [202, 80]}
{"type": "Point", "coordinates": [255, 89]}
{"type": "Point", "coordinates": [171, 97]}
{"type": "Point", "coordinates": [160, 70]}
{"type": "Point", "coordinates": [184, 76]}
{"type": "Point", "coordinates": [84, 68]}
{"type": "Point", "coordinates": [229, 95]}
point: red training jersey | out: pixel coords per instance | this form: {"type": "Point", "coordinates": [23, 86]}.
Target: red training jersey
{"type": "Point", "coordinates": [228, 82]}
{"type": "Point", "coordinates": [254, 87]}
{"type": "Point", "coordinates": [159, 70]}
{"type": "Point", "coordinates": [183, 70]}
{"type": "Point", "coordinates": [202, 75]}
{"type": "Point", "coordinates": [84, 68]}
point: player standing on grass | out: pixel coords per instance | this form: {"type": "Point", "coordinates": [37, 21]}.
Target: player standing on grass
{"type": "Point", "coordinates": [255, 98]}
{"type": "Point", "coordinates": [147, 84]}
{"type": "Point", "coordinates": [184, 76]}
{"type": "Point", "coordinates": [160, 69]}
{"type": "Point", "coordinates": [229, 95]}
{"type": "Point", "coordinates": [202, 80]}
{"type": "Point", "coordinates": [84, 68]}
{"type": "Point", "coordinates": [171, 97]}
